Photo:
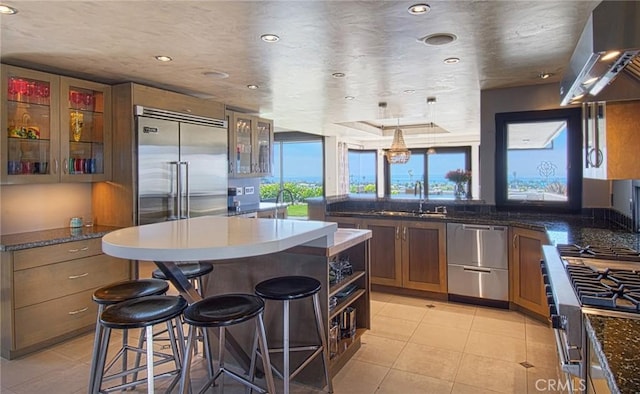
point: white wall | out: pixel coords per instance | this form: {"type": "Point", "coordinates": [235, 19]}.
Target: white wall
{"type": "Point", "coordinates": [25, 208]}
{"type": "Point", "coordinates": [330, 166]}
{"type": "Point", "coordinates": [622, 196]}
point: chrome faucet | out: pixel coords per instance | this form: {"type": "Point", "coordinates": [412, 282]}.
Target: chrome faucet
{"type": "Point", "coordinates": [418, 191]}
{"type": "Point", "coordinates": [441, 209]}
{"type": "Point", "coordinates": [281, 194]}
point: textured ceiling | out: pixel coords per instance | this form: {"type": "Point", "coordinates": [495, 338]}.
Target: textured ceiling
{"type": "Point", "coordinates": [375, 43]}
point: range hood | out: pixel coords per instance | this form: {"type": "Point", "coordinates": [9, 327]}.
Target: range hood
{"type": "Point", "coordinates": [605, 66]}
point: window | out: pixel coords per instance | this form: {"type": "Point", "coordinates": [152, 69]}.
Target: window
{"type": "Point", "coordinates": [401, 179]}
{"type": "Point", "coordinates": [538, 160]}
{"type": "Point", "coordinates": [299, 167]}
{"type": "Point", "coordinates": [362, 172]}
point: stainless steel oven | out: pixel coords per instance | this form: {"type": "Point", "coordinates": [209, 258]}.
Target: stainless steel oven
{"type": "Point", "coordinates": [580, 281]}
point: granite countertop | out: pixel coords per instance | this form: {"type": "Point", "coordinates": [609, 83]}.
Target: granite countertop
{"type": "Point", "coordinates": [34, 239]}
{"type": "Point", "coordinates": [561, 228]}
{"type": "Point", "coordinates": [615, 341]}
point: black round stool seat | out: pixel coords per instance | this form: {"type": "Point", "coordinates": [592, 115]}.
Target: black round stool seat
{"type": "Point", "coordinates": [223, 310]}
{"type": "Point", "coordinates": [142, 312]}
{"type": "Point", "coordinates": [190, 270]}
{"type": "Point", "coordinates": [129, 289]}
{"type": "Point", "coordinates": [288, 288]}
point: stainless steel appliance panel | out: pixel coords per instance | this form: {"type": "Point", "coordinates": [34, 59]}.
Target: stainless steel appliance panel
{"type": "Point", "coordinates": [158, 154]}
{"type": "Point", "coordinates": [203, 157]}
{"type": "Point", "coordinates": [489, 283]}
{"type": "Point", "coordinates": [477, 245]}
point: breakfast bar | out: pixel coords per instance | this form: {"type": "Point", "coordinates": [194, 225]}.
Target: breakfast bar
{"type": "Point", "coordinates": [246, 251]}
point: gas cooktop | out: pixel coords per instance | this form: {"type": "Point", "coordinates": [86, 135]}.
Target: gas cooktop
{"type": "Point", "coordinates": [599, 252]}
{"type": "Point", "coordinates": [616, 289]}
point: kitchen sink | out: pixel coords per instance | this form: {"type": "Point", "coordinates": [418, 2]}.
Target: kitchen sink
{"type": "Point", "coordinates": [413, 214]}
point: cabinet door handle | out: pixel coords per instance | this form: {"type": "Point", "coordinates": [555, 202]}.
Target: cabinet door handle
{"type": "Point", "coordinates": [79, 250]}
{"type": "Point", "coordinates": [86, 308]}
{"type": "Point", "coordinates": [397, 232]}
{"type": "Point", "coordinates": [65, 167]}
{"type": "Point", "coordinates": [404, 233]}
{"type": "Point", "coordinates": [515, 241]}
{"type": "Point", "coordinates": [55, 168]}
{"type": "Point", "coordinates": [78, 276]}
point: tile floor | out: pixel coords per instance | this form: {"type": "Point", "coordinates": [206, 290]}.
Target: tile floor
{"type": "Point", "coordinates": [415, 346]}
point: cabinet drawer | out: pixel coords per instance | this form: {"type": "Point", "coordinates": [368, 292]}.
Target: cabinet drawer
{"type": "Point", "coordinates": [52, 281]}
{"type": "Point", "coordinates": [37, 323]}
{"type": "Point", "coordinates": [35, 257]}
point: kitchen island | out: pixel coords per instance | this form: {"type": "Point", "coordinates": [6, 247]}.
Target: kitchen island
{"type": "Point", "coordinates": [246, 251]}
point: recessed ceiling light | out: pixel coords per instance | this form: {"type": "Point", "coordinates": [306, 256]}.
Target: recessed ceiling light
{"type": "Point", "coordinates": [589, 81]}
{"type": "Point", "coordinates": [253, 87]}
{"type": "Point", "coordinates": [6, 10]}
{"type": "Point", "coordinates": [431, 100]}
{"type": "Point", "coordinates": [162, 58]}
{"type": "Point", "coordinates": [578, 97]}
{"type": "Point", "coordinates": [338, 75]}
{"type": "Point", "coordinates": [439, 39]}
{"type": "Point", "coordinates": [349, 97]}
{"type": "Point", "coordinates": [409, 91]}
{"type": "Point", "coordinates": [216, 74]}
{"type": "Point", "coordinates": [544, 75]}
{"type": "Point", "coordinates": [269, 38]}
{"type": "Point", "coordinates": [419, 9]}
{"type": "Point", "coordinates": [452, 60]}
{"type": "Point", "coordinates": [609, 55]}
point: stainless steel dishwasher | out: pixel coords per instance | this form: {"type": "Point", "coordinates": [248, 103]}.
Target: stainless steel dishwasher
{"type": "Point", "coordinates": [477, 261]}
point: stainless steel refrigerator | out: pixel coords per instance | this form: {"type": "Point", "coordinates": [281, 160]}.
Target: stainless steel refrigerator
{"type": "Point", "coordinates": [182, 165]}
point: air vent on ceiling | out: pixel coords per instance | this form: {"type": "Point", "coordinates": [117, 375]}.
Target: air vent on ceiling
{"type": "Point", "coordinates": [439, 39]}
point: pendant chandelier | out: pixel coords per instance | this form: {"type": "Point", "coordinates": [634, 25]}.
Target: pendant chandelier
{"type": "Point", "coordinates": [398, 153]}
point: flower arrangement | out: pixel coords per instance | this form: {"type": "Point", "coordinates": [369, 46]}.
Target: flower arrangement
{"type": "Point", "coordinates": [458, 176]}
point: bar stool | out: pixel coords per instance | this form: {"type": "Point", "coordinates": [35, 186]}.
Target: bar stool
{"type": "Point", "coordinates": [194, 272]}
{"type": "Point", "coordinates": [113, 294]}
{"type": "Point", "coordinates": [143, 312]}
{"type": "Point", "coordinates": [223, 311]}
{"type": "Point", "coordinates": [286, 289]}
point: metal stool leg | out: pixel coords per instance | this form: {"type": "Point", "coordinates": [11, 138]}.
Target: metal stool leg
{"type": "Point", "coordinates": [101, 359]}
{"type": "Point", "coordinates": [323, 341]}
{"type": "Point", "coordinates": [264, 349]}
{"type": "Point", "coordinates": [186, 363]}
{"type": "Point", "coordinates": [96, 349]}
{"type": "Point", "coordinates": [285, 346]}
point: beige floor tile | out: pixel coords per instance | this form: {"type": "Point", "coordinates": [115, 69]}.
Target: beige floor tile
{"type": "Point", "coordinates": [429, 361]}
{"type": "Point", "coordinates": [454, 307]}
{"type": "Point", "coordinates": [498, 326]}
{"type": "Point", "coordinates": [542, 355]}
{"type": "Point", "coordinates": [359, 377]}
{"type": "Point", "coordinates": [78, 349]}
{"type": "Point", "coordinates": [382, 297]}
{"type": "Point", "coordinates": [492, 374]}
{"type": "Point", "coordinates": [459, 388]}
{"type": "Point", "coordinates": [376, 306]}
{"type": "Point", "coordinates": [496, 346]}
{"type": "Point", "coordinates": [461, 320]}
{"type": "Point", "coordinates": [62, 381]}
{"type": "Point", "coordinates": [431, 334]}
{"type": "Point", "coordinates": [379, 350]}
{"type": "Point", "coordinates": [410, 301]}
{"type": "Point", "coordinates": [544, 380]}
{"type": "Point", "coordinates": [32, 367]}
{"type": "Point", "coordinates": [501, 314]}
{"type": "Point", "coordinates": [401, 311]}
{"type": "Point", "coordinates": [410, 383]}
{"type": "Point", "coordinates": [389, 327]}
{"type": "Point", "coordinates": [539, 333]}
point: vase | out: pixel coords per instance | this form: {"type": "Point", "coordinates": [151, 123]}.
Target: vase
{"type": "Point", "coordinates": [459, 190]}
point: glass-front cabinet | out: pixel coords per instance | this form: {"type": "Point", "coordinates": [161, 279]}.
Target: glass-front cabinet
{"type": "Point", "coordinates": [30, 138]}
{"type": "Point", "coordinates": [250, 144]}
{"type": "Point", "coordinates": [84, 124]}
{"type": "Point", "coordinates": [55, 129]}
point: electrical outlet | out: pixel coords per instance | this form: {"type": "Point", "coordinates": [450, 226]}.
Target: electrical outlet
{"type": "Point", "coordinates": [248, 190]}
{"type": "Point", "coordinates": [238, 191]}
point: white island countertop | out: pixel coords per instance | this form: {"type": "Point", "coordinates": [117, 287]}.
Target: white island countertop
{"type": "Point", "coordinates": [214, 238]}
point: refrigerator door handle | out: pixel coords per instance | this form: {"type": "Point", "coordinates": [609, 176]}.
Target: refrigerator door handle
{"type": "Point", "coordinates": [178, 203]}
{"type": "Point", "coordinates": [186, 190]}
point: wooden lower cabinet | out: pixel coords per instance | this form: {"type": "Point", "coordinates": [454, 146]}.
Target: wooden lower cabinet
{"type": "Point", "coordinates": [408, 254]}
{"type": "Point", "coordinates": [47, 293]}
{"type": "Point", "coordinates": [527, 288]}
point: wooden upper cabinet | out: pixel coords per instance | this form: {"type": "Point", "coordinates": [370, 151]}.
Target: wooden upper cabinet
{"type": "Point", "coordinates": [250, 145]}
{"type": "Point", "coordinates": [527, 288]}
{"type": "Point", "coordinates": [55, 129]}
{"type": "Point", "coordinates": [611, 140]}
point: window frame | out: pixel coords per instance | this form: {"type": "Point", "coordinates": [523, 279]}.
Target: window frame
{"type": "Point", "coordinates": [375, 158]}
{"type": "Point", "coordinates": [465, 149]}
{"type": "Point", "coordinates": [573, 117]}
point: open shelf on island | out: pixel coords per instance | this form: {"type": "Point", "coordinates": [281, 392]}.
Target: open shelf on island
{"type": "Point", "coordinates": [344, 347]}
{"type": "Point", "coordinates": [336, 288]}
{"type": "Point", "coordinates": [350, 299]}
